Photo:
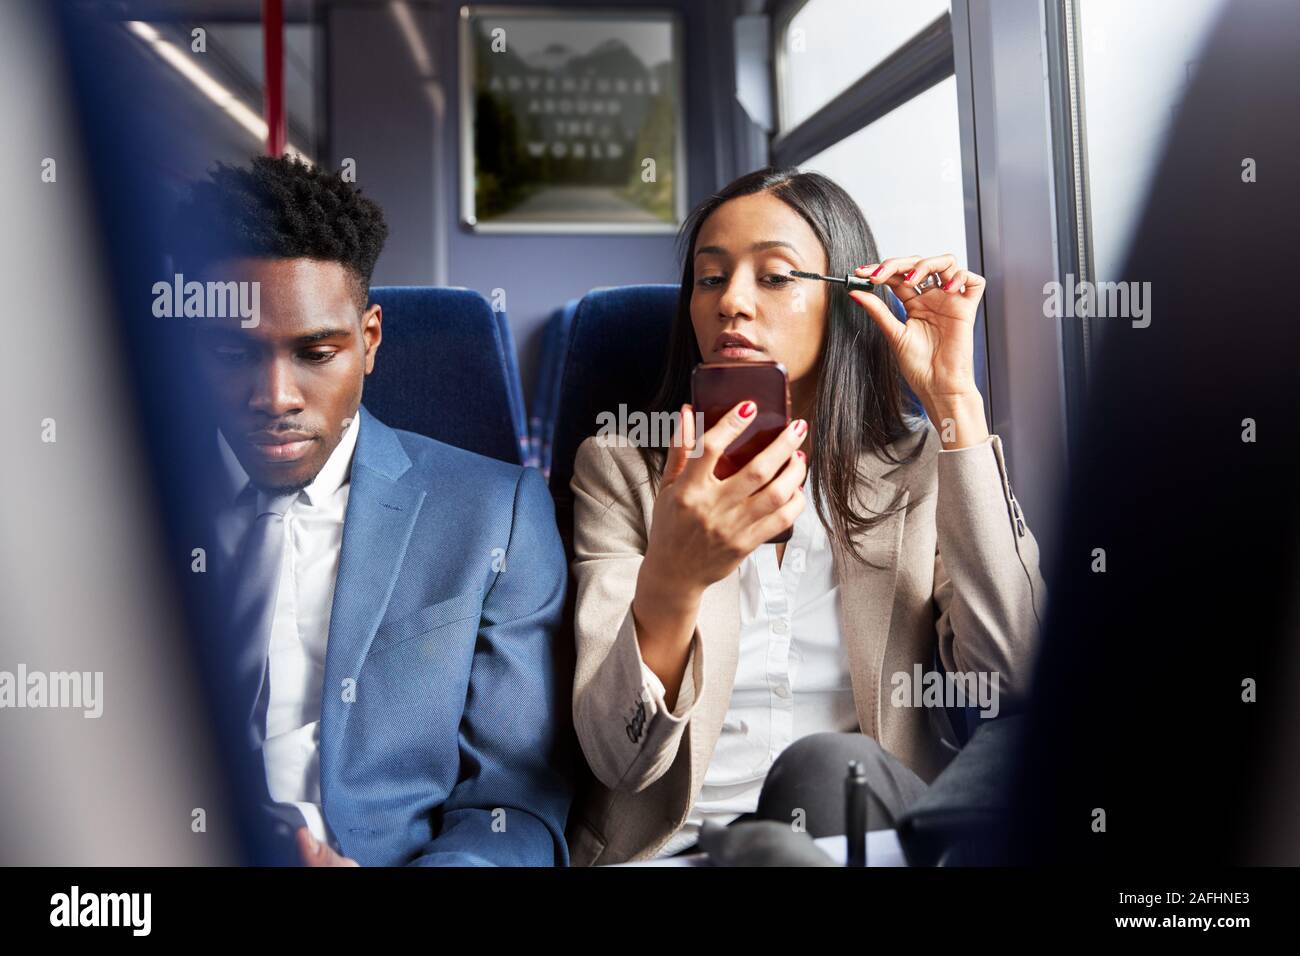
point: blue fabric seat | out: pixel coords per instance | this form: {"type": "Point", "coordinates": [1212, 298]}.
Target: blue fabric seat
{"type": "Point", "coordinates": [546, 395]}
{"type": "Point", "coordinates": [446, 369]}
{"type": "Point", "coordinates": [618, 344]}
{"type": "Point", "coordinates": [518, 409]}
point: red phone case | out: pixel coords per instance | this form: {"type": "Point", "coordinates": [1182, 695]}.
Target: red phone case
{"type": "Point", "coordinates": [718, 387]}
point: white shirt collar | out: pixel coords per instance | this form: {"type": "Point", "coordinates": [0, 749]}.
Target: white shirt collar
{"type": "Point", "coordinates": [336, 471]}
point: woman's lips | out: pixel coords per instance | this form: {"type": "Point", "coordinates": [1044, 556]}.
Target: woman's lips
{"type": "Point", "coordinates": [738, 353]}
{"type": "Point", "coordinates": [734, 346]}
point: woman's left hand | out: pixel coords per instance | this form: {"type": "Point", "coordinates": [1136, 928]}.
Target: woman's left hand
{"type": "Point", "coordinates": [935, 347]}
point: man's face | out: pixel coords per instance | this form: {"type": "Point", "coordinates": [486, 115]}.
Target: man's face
{"type": "Point", "coordinates": [285, 387]}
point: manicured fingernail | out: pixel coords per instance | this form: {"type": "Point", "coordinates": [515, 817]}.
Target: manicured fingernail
{"type": "Point", "coordinates": [747, 410]}
{"type": "Point", "coordinates": [800, 427]}
{"type": "Point", "coordinates": [877, 272]}
{"type": "Point", "coordinates": [949, 284]}
{"type": "Point", "coordinates": [801, 455]}
{"type": "Point", "coordinates": [908, 277]}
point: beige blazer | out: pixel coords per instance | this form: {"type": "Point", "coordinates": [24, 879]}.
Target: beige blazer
{"type": "Point", "coordinates": [956, 566]}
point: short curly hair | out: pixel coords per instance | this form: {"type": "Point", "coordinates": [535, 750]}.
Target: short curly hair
{"type": "Point", "coordinates": [285, 209]}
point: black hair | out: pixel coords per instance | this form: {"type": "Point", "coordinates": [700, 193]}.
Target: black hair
{"type": "Point", "coordinates": [859, 405]}
{"type": "Point", "coordinates": [285, 209]}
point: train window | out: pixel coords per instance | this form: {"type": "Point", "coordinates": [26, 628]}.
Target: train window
{"type": "Point", "coordinates": [1132, 88]}
{"type": "Point", "coordinates": [828, 44]}
{"type": "Point", "coordinates": [884, 123]}
{"type": "Point", "coordinates": [904, 171]}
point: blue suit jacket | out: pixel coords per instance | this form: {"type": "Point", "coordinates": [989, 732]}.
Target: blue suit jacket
{"type": "Point", "coordinates": [438, 716]}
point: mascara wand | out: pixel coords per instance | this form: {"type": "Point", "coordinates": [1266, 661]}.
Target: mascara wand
{"type": "Point", "coordinates": [866, 285]}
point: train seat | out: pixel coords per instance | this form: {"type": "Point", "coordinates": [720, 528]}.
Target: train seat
{"type": "Point", "coordinates": [618, 339]}
{"type": "Point", "coordinates": [449, 371]}
{"type": "Point", "coordinates": [546, 392]}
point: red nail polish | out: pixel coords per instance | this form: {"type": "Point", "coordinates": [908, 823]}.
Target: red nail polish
{"type": "Point", "coordinates": [801, 455]}
{"type": "Point", "coordinates": [908, 277]}
{"type": "Point", "coordinates": [949, 284]}
{"type": "Point", "coordinates": [800, 427]}
{"type": "Point", "coordinates": [747, 410]}
{"type": "Point", "coordinates": [877, 272]}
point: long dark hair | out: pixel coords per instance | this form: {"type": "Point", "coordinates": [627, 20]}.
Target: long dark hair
{"type": "Point", "coordinates": [859, 404]}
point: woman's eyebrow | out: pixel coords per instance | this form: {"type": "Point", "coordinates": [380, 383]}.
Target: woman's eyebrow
{"type": "Point", "coordinates": [756, 247]}
{"type": "Point", "coordinates": [773, 244]}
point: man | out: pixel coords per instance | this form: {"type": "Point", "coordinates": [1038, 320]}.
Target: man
{"type": "Point", "coordinates": [391, 598]}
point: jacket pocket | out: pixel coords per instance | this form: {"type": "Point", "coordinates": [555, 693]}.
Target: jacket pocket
{"type": "Point", "coordinates": [426, 619]}
{"type": "Point", "coordinates": [585, 844]}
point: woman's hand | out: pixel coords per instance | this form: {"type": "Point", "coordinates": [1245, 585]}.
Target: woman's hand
{"type": "Point", "coordinates": [935, 348]}
{"type": "Point", "coordinates": [704, 526]}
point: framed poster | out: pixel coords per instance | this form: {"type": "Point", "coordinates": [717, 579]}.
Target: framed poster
{"type": "Point", "coordinates": [571, 120]}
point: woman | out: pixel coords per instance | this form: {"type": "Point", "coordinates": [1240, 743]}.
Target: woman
{"type": "Point", "coordinates": [703, 652]}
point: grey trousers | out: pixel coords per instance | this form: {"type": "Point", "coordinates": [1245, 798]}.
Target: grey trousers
{"type": "Point", "coordinates": [808, 778]}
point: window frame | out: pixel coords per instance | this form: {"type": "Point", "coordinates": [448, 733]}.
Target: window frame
{"type": "Point", "coordinates": [923, 61]}
{"type": "Point", "coordinates": [1073, 211]}
{"type": "Point", "coordinates": [918, 64]}
{"type": "Point", "coordinates": [1024, 176]}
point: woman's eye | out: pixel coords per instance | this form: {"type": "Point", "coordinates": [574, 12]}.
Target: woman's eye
{"type": "Point", "coordinates": [709, 282]}
{"type": "Point", "coordinates": [778, 278]}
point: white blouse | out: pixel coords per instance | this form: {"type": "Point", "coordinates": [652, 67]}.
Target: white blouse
{"type": "Point", "coordinates": [792, 675]}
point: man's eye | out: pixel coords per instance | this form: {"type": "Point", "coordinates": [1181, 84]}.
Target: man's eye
{"type": "Point", "coordinates": [319, 357]}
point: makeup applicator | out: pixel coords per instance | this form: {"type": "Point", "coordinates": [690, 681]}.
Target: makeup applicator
{"type": "Point", "coordinates": [851, 281]}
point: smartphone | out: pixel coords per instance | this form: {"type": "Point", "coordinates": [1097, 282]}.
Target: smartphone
{"type": "Point", "coordinates": [718, 387]}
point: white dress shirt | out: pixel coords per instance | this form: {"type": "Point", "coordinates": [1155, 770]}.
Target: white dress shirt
{"type": "Point", "coordinates": [313, 528]}
{"type": "Point", "coordinates": [792, 675]}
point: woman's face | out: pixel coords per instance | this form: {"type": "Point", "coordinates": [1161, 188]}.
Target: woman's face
{"type": "Point", "coordinates": [745, 306]}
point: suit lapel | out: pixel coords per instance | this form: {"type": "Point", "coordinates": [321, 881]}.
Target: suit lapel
{"type": "Point", "coordinates": [381, 514]}
{"type": "Point", "coordinates": [867, 593]}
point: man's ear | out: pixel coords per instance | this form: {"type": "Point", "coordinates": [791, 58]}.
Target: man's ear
{"type": "Point", "coordinates": [372, 333]}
